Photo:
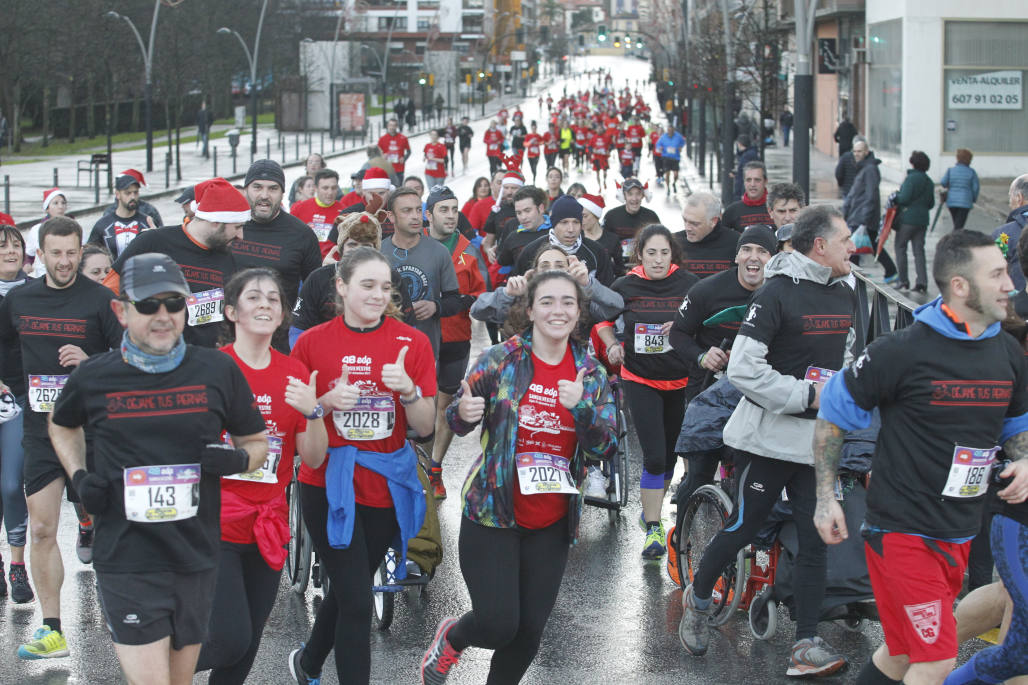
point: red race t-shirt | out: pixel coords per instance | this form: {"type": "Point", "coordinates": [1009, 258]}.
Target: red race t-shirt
{"type": "Point", "coordinates": [544, 425]}
{"type": "Point", "coordinates": [394, 149]}
{"type": "Point", "coordinates": [551, 143]}
{"type": "Point", "coordinates": [436, 168]}
{"type": "Point", "coordinates": [493, 143]}
{"type": "Point", "coordinates": [532, 141]}
{"type": "Point", "coordinates": [321, 219]}
{"type": "Point", "coordinates": [283, 424]}
{"type": "Point", "coordinates": [378, 423]}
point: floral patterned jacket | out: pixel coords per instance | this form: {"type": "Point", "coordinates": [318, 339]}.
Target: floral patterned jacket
{"type": "Point", "coordinates": [502, 375]}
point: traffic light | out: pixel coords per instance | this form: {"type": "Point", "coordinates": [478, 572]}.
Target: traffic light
{"type": "Point", "coordinates": [421, 80]}
{"type": "Point", "coordinates": [431, 80]}
{"type": "Point", "coordinates": [671, 83]}
{"type": "Point", "coordinates": [601, 34]}
{"type": "Point", "coordinates": [628, 39]}
{"type": "Point", "coordinates": [617, 41]}
{"type": "Point", "coordinates": [639, 43]}
{"type": "Point", "coordinates": [581, 41]}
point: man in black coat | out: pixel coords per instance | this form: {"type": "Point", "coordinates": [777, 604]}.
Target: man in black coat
{"type": "Point", "coordinates": [844, 135]}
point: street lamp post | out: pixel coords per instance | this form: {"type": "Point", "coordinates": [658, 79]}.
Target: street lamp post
{"type": "Point", "coordinates": [147, 51]}
{"type": "Point", "coordinates": [382, 73]}
{"type": "Point", "coordinates": [252, 59]}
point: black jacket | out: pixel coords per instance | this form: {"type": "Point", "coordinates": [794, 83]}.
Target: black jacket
{"type": "Point", "coordinates": [863, 203]}
{"type": "Point", "coordinates": [845, 172]}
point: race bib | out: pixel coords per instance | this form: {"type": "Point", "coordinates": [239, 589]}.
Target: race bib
{"type": "Point", "coordinates": [627, 248]}
{"type": "Point", "coordinates": [817, 374]}
{"type": "Point", "coordinates": [207, 306]}
{"type": "Point", "coordinates": [157, 494]}
{"type": "Point", "coordinates": [494, 146]}
{"type": "Point", "coordinates": [969, 473]}
{"type": "Point", "coordinates": [43, 392]}
{"type": "Point", "coordinates": [393, 159]}
{"type": "Point", "coordinates": [268, 471]}
{"type": "Point", "coordinates": [372, 418]}
{"type": "Point", "coordinates": [540, 474]}
{"type": "Point", "coordinates": [321, 231]}
{"type": "Point", "coordinates": [650, 340]}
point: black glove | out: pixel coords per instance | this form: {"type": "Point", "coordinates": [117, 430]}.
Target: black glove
{"type": "Point", "coordinates": [219, 459]}
{"type": "Point", "coordinates": [93, 491]}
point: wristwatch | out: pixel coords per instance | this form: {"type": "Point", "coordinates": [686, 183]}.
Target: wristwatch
{"type": "Point", "coordinates": [417, 396]}
{"type": "Point", "coordinates": [319, 412]}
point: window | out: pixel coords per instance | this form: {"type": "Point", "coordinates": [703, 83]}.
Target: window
{"type": "Point", "coordinates": [983, 81]}
{"type": "Point", "coordinates": [474, 4]}
{"type": "Point", "coordinates": [471, 24]}
{"type": "Point", "coordinates": [424, 23]}
{"type": "Point", "coordinates": [885, 86]}
{"type": "Point", "coordinates": [397, 23]}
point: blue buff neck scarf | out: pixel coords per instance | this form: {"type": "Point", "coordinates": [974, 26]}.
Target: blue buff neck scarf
{"type": "Point", "coordinates": [152, 363]}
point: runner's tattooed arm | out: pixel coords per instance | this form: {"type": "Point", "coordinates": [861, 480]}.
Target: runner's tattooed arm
{"type": "Point", "coordinates": [828, 439]}
{"type": "Point", "coordinates": [1017, 446]}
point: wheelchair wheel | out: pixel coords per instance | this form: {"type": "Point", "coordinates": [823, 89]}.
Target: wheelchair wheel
{"type": "Point", "coordinates": [705, 515]}
{"type": "Point", "coordinates": [622, 458]}
{"type": "Point", "coordinates": [854, 624]}
{"type": "Point", "coordinates": [298, 562]}
{"type": "Point", "coordinates": [382, 602]}
{"type": "Point", "coordinates": [763, 615]}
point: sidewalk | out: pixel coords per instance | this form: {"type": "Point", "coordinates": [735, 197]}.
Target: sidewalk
{"type": "Point", "coordinates": [25, 182]}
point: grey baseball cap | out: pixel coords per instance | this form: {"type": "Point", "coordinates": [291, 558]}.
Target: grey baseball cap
{"type": "Point", "coordinates": [149, 274]}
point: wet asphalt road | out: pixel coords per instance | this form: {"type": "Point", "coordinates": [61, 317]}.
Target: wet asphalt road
{"type": "Point", "coordinates": [615, 620]}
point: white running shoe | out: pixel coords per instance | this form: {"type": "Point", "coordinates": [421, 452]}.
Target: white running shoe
{"type": "Point", "coordinates": [595, 483]}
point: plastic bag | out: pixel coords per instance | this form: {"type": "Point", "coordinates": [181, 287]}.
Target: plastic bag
{"type": "Point", "coordinates": [862, 240]}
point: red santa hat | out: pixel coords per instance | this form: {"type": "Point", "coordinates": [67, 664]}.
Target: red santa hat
{"type": "Point", "coordinates": [513, 178]}
{"type": "Point", "coordinates": [376, 179]}
{"type": "Point", "coordinates": [136, 174]}
{"type": "Point", "coordinates": [594, 203]}
{"type": "Point", "coordinates": [49, 195]}
{"type": "Point", "coordinates": [219, 202]}
{"type": "Point", "coordinates": [7, 220]}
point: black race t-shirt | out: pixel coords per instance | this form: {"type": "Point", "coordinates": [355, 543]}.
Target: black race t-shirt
{"type": "Point", "coordinates": [495, 221]}
{"type": "Point", "coordinates": [804, 324]}
{"type": "Point", "coordinates": [284, 244]}
{"type": "Point", "coordinates": [689, 337]}
{"type": "Point", "coordinates": [42, 320]}
{"type": "Point", "coordinates": [739, 215]}
{"type": "Point", "coordinates": [206, 271]}
{"type": "Point", "coordinates": [940, 399]}
{"type": "Point", "coordinates": [618, 221]}
{"type": "Point", "coordinates": [713, 254]}
{"type": "Point", "coordinates": [317, 301]}
{"type": "Point", "coordinates": [157, 419]}
{"type": "Point", "coordinates": [115, 232]}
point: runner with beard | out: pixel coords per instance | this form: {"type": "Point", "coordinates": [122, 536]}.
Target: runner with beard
{"type": "Point", "coordinates": [202, 251]}
{"type": "Point", "coordinates": [117, 228]}
{"type": "Point", "coordinates": [55, 322]}
{"type": "Point", "coordinates": [273, 238]}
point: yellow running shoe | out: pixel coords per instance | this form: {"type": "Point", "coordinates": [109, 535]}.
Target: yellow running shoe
{"type": "Point", "coordinates": [45, 644]}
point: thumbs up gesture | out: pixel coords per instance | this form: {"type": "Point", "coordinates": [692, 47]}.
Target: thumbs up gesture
{"type": "Point", "coordinates": [394, 376]}
{"type": "Point", "coordinates": [570, 392]}
{"type": "Point", "coordinates": [303, 397]}
{"type": "Point", "coordinates": [342, 396]}
{"type": "Point", "coordinates": [471, 408]}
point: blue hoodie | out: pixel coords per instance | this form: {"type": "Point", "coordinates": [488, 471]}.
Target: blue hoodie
{"type": "Point", "coordinates": [838, 406]}
{"type": "Point", "coordinates": [408, 496]}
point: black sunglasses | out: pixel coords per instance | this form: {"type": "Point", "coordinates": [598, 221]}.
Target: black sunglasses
{"type": "Point", "coordinates": [150, 305]}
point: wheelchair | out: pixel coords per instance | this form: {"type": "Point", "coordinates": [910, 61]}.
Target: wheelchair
{"type": "Point", "coordinates": [615, 470]}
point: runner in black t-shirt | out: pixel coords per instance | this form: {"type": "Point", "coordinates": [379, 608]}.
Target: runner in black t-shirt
{"type": "Point", "coordinates": [272, 238]}
{"type": "Point", "coordinates": [158, 410]}
{"type": "Point", "coordinates": [709, 247]}
{"type": "Point", "coordinates": [202, 250]}
{"type": "Point", "coordinates": [57, 321]}
{"type": "Point", "coordinates": [464, 134]}
{"type": "Point", "coordinates": [950, 387]}
{"type": "Point", "coordinates": [120, 225]}
{"type": "Point", "coordinates": [624, 221]}
{"type": "Point", "coordinates": [797, 331]}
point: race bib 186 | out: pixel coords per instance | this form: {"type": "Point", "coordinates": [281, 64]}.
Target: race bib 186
{"type": "Point", "coordinates": [969, 472]}
{"type": "Point", "coordinates": [540, 473]}
{"type": "Point", "coordinates": [44, 390]}
{"type": "Point", "coordinates": [205, 307]}
{"type": "Point", "coordinates": [156, 494]}
{"type": "Point", "coordinates": [372, 418]}
{"type": "Point", "coordinates": [649, 339]}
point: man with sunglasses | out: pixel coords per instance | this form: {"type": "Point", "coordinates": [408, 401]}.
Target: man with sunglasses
{"type": "Point", "coordinates": [157, 409]}
{"type": "Point", "coordinates": [202, 251]}
{"type": "Point", "coordinates": [57, 321]}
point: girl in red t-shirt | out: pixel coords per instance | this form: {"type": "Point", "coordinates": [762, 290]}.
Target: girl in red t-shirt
{"type": "Point", "coordinates": [533, 148]}
{"type": "Point", "coordinates": [376, 378]}
{"type": "Point", "coordinates": [254, 513]}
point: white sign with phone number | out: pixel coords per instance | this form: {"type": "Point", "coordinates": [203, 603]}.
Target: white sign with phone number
{"type": "Point", "coordinates": [991, 90]}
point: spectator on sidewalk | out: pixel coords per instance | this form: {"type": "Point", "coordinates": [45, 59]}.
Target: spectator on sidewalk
{"type": "Point", "coordinates": [863, 203]}
{"type": "Point", "coordinates": [845, 134]}
{"type": "Point", "coordinates": [204, 120]}
{"type": "Point", "coordinates": [960, 188]}
{"type": "Point", "coordinates": [1018, 217]}
{"type": "Point", "coordinates": [915, 199]}
{"type": "Point", "coordinates": [845, 172]}
{"type": "Point", "coordinates": [786, 122]}
{"type": "Point", "coordinates": [745, 153]}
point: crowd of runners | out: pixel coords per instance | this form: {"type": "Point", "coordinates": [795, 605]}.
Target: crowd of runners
{"type": "Point", "coordinates": [171, 378]}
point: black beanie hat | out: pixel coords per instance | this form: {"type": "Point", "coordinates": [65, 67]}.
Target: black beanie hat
{"type": "Point", "coordinates": [265, 170]}
{"type": "Point", "coordinates": [758, 235]}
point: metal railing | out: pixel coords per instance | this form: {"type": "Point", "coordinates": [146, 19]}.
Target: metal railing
{"type": "Point", "coordinates": [880, 310]}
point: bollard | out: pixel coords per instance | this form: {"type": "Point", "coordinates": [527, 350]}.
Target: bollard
{"type": "Point", "coordinates": [267, 148]}
{"type": "Point", "coordinates": [215, 157]}
{"type": "Point", "coordinates": [310, 144]}
{"type": "Point", "coordinates": [167, 170]}
{"type": "Point", "coordinates": [323, 142]}
{"type": "Point", "coordinates": [296, 139]}
{"type": "Point", "coordinates": [96, 184]}
{"type": "Point", "coordinates": [56, 182]}
{"type": "Point", "coordinates": [234, 157]}
{"type": "Point", "coordinates": [281, 142]}
{"type": "Point", "coordinates": [7, 194]}
{"type": "Point", "coordinates": [334, 144]}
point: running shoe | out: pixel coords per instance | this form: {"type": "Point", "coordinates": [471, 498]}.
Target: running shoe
{"type": "Point", "coordinates": [694, 629]}
{"type": "Point", "coordinates": [813, 656]}
{"type": "Point", "coordinates": [84, 544]}
{"type": "Point", "coordinates": [297, 671]}
{"type": "Point", "coordinates": [653, 546]}
{"type": "Point", "coordinates": [595, 483]}
{"type": "Point", "coordinates": [21, 591]}
{"type": "Point", "coordinates": [889, 280]}
{"type": "Point", "coordinates": [435, 478]}
{"type": "Point", "coordinates": [440, 657]}
{"type": "Point", "coordinates": [45, 644]}
{"type": "Point", "coordinates": [3, 583]}
{"type": "Point", "coordinates": [672, 558]}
